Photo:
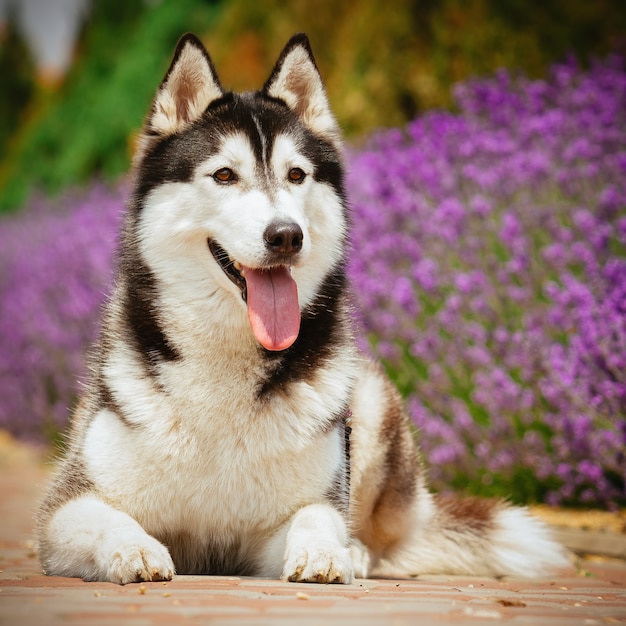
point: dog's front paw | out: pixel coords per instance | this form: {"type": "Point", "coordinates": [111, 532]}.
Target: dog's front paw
{"type": "Point", "coordinates": [315, 564]}
{"type": "Point", "coordinates": [142, 559]}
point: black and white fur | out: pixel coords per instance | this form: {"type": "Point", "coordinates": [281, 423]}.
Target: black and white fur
{"type": "Point", "coordinates": [202, 445]}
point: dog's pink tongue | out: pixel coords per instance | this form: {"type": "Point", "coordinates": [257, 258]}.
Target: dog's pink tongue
{"type": "Point", "coordinates": [273, 308]}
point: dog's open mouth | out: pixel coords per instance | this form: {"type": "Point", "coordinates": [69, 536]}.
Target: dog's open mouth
{"type": "Point", "coordinates": [272, 298]}
{"type": "Point", "coordinates": [231, 268]}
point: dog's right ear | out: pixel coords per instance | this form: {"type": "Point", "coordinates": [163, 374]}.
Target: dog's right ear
{"type": "Point", "coordinates": [189, 86]}
{"type": "Point", "coordinates": [297, 82]}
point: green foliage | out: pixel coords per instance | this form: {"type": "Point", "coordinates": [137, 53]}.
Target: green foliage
{"type": "Point", "coordinates": [87, 127]}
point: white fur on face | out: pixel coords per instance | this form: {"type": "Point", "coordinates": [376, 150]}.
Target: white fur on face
{"type": "Point", "coordinates": [179, 218]}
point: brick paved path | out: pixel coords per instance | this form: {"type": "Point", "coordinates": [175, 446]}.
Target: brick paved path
{"type": "Point", "coordinates": [594, 592]}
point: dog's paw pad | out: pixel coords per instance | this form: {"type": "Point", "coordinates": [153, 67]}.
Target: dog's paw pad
{"type": "Point", "coordinates": [314, 565]}
{"type": "Point", "coordinates": [141, 562]}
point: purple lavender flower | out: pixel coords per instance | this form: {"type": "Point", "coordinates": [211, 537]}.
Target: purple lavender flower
{"type": "Point", "coordinates": [512, 352]}
{"type": "Point", "coordinates": [55, 269]}
{"type": "Point", "coordinates": [488, 270]}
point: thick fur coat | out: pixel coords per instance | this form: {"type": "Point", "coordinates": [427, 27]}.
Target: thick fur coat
{"type": "Point", "coordinates": [230, 426]}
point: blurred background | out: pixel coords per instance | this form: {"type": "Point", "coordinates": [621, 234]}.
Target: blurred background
{"type": "Point", "coordinates": [77, 76]}
{"type": "Point", "coordinates": [487, 179]}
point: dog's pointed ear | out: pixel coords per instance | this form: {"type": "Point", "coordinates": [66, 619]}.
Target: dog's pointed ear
{"type": "Point", "coordinates": [297, 82]}
{"type": "Point", "coordinates": [189, 86]}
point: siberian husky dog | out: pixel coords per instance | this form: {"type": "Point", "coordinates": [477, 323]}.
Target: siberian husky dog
{"type": "Point", "coordinates": [230, 426]}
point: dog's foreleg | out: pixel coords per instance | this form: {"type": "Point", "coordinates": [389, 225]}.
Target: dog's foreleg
{"type": "Point", "coordinates": [313, 547]}
{"type": "Point", "coordinates": [87, 538]}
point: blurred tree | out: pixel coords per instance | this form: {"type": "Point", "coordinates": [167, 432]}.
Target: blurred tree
{"type": "Point", "coordinates": [87, 126]}
{"type": "Point", "coordinates": [16, 83]}
{"type": "Point", "coordinates": [384, 63]}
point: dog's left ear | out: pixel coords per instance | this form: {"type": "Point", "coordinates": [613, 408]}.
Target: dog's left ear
{"type": "Point", "coordinates": [297, 82]}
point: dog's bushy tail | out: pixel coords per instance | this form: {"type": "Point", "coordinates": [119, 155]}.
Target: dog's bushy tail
{"type": "Point", "coordinates": [471, 536]}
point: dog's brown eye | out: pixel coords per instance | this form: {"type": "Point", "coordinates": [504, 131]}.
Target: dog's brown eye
{"type": "Point", "coordinates": [296, 175]}
{"type": "Point", "coordinates": [225, 175]}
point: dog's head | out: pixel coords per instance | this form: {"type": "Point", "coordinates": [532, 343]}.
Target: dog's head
{"type": "Point", "coordinates": [243, 191]}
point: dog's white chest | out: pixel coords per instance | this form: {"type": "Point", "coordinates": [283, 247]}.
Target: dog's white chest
{"type": "Point", "coordinates": [242, 482]}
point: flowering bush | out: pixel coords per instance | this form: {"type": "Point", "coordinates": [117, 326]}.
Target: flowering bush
{"type": "Point", "coordinates": [55, 269]}
{"type": "Point", "coordinates": [490, 274]}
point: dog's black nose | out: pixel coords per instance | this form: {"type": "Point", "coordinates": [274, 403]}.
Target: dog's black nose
{"type": "Point", "coordinates": [283, 237]}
